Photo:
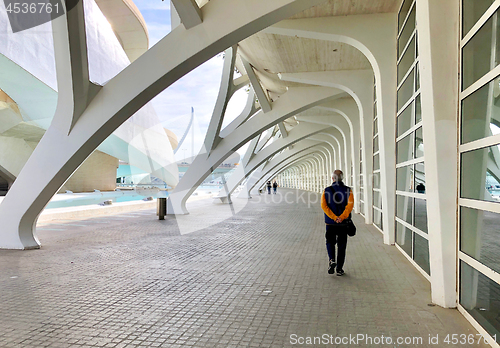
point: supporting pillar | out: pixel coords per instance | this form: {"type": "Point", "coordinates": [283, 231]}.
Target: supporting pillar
{"type": "Point", "coordinates": [438, 37]}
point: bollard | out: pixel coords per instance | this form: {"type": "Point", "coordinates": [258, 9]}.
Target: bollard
{"type": "Point", "coordinates": [161, 208]}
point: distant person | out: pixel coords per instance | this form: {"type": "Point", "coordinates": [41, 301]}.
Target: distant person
{"type": "Point", "coordinates": [337, 202]}
{"type": "Point", "coordinates": [275, 187]}
{"type": "Point", "coordinates": [268, 187]}
{"type": "Point", "coordinates": [421, 188]}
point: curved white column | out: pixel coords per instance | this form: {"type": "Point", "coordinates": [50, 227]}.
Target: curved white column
{"type": "Point", "coordinates": [438, 60]}
{"type": "Point", "coordinates": [375, 36]}
{"type": "Point", "coordinates": [294, 101]}
{"type": "Point", "coordinates": [277, 165]}
{"type": "Point", "coordinates": [303, 130]}
{"type": "Point", "coordinates": [86, 118]}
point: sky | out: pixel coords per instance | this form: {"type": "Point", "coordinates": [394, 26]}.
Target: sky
{"type": "Point", "coordinates": [198, 89]}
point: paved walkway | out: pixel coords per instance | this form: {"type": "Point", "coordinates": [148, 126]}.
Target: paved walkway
{"type": "Point", "coordinates": [255, 279]}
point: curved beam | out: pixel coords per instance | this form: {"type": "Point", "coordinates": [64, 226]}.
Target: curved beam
{"type": "Point", "coordinates": [277, 165]}
{"type": "Point", "coordinates": [298, 133]}
{"type": "Point", "coordinates": [74, 134]}
{"type": "Point", "coordinates": [375, 36]}
{"type": "Point", "coordinates": [257, 174]}
{"type": "Point", "coordinates": [338, 122]}
{"type": "Point", "coordinates": [358, 85]}
{"type": "Point", "coordinates": [294, 101]}
{"type": "Point", "coordinates": [302, 164]}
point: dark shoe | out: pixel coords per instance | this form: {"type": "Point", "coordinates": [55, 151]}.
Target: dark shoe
{"type": "Point", "coordinates": [340, 273]}
{"type": "Point", "coordinates": [331, 267]}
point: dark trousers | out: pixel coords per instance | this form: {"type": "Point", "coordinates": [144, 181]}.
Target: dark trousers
{"type": "Point", "coordinates": [336, 236]}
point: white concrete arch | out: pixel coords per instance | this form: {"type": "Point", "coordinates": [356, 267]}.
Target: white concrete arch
{"type": "Point", "coordinates": [257, 174]}
{"type": "Point", "coordinates": [375, 36]}
{"type": "Point", "coordinates": [294, 101]}
{"type": "Point", "coordinates": [258, 181]}
{"type": "Point", "coordinates": [302, 165]}
{"type": "Point", "coordinates": [320, 176]}
{"type": "Point", "coordinates": [349, 110]}
{"type": "Point", "coordinates": [358, 85]}
{"type": "Point", "coordinates": [276, 166]}
{"type": "Point", "coordinates": [313, 170]}
{"type": "Point", "coordinates": [295, 135]}
{"type": "Point", "coordinates": [338, 137]}
{"type": "Point", "coordinates": [339, 122]}
{"type": "Point", "coordinates": [88, 114]}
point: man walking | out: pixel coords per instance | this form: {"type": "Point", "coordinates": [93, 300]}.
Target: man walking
{"type": "Point", "coordinates": [275, 187]}
{"type": "Point", "coordinates": [337, 202]}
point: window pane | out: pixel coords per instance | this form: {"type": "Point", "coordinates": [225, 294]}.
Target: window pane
{"type": "Point", "coordinates": [407, 60]}
{"type": "Point", "coordinates": [403, 12]}
{"type": "Point", "coordinates": [480, 295]}
{"type": "Point", "coordinates": [480, 236]}
{"type": "Point", "coordinates": [418, 110]}
{"type": "Point", "coordinates": [403, 208]}
{"type": "Point", "coordinates": [404, 121]}
{"type": "Point", "coordinates": [404, 149]}
{"type": "Point", "coordinates": [407, 31]}
{"type": "Point", "coordinates": [472, 10]}
{"type": "Point", "coordinates": [376, 162]}
{"type": "Point", "coordinates": [475, 169]}
{"type": "Point", "coordinates": [375, 127]}
{"type": "Point", "coordinates": [404, 178]}
{"type": "Point", "coordinates": [406, 90]}
{"type": "Point", "coordinates": [419, 143]}
{"type": "Point", "coordinates": [479, 112]}
{"type": "Point", "coordinates": [421, 252]}
{"type": "Point", "coordinates": [376, 180]}
{"type": "Point", "coordinates": [421, 214]}
{"type": "Point", "coordinates": [377, 218]}
{"type": "Point", "coordinates": [375, 144]}
{"type": "Point", "coordinates": [403, 238]}
{"type": "Point", "coordinates": [478, 56]}
{"type": "Point", "coordinates": [377, 199]}
{"type": "Point", "coordinates": [420, 177]}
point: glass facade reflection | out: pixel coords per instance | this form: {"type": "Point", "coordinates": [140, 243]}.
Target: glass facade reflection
{"type": "Point", "coordinates": [404, 238]}
{"type": "Point", "coordinates": [480, 296]}
{"type": "Point", "coordinates": [479, 213]}
{"type": "Point", "coordinates": [404, 208]}
{"type": "Point", "coordinates": [480, 236]}
{"type": "Point", "coordinates": [472, 11]}
{"type": "Point", "coordinates": [421, 252]}
{"type": "Point", "coordinates": [411, 204]}
{"type": "Point", "coordinates": [481, 53]}
{"type": "Point", "coordinates": [481, 113]}
{"type": "Point", "coordinates": [480, 174]}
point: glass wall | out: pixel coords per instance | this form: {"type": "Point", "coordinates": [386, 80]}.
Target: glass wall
{"type": "Point", "coordinates": [377, 195]}
{"type": "Point", "coordinates": [479, 208]}
{"type": "Point", "coordinates": [411, 204]}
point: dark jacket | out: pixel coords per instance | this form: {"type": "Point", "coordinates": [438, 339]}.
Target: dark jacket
{"type": "Point", "coordinates": [339, 199]}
